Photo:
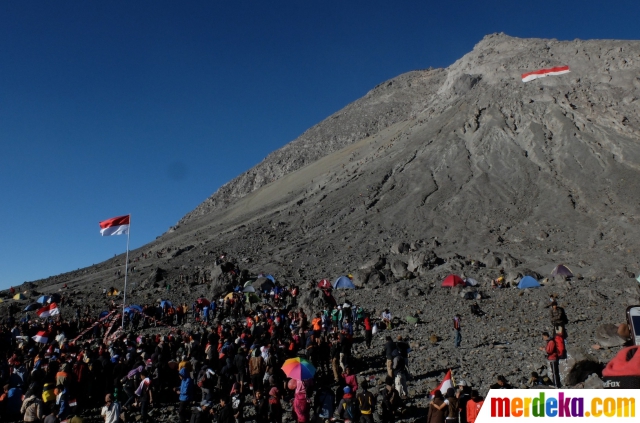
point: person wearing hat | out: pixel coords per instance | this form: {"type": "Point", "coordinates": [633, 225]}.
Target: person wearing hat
{"type": "Point", "coordinates": [203, 414]}
{"type": "Point", "coordinates": [347, 409]}
{"type": "Point", "coordinates": [111, 410]}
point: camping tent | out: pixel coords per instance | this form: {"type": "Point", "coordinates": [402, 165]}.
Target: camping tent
{"type": "Point", "coordinates": [451, 281]}
{"type": "Point", "coordinates": [34, 306]}
{"type": "Point", "coordinates": [343, 282]}
{"type": "Point", "coordinates": [43, 299]}
{"type": "Point", "coordinates": [112, 292]}
{"type": "Point", "coordinates": [19, 296]}
{"type": "Point", "coordinates": [470, 282]}
{"type": "Point", "coordinates": [133, 308]}
{"type": "Point", "coordinates": [528, 282]}
{"type": "Point", "coordinates": [562, 270]}
{"type": "Point", "coordinates": [167, 302]}
{"type": "Point", "coordinates": [263, 284]}
{"type": "Point", "coordinates": [248, 289]}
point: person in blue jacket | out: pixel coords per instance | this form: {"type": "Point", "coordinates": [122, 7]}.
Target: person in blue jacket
{"type": "Point", "coordinates": [186, 394]}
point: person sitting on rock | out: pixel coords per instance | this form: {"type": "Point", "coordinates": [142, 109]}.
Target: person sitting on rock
{"type": "Point", "coordinates": [475, 310]}
{"type": "Point", "coordinates": [386, 318]}
{"type": "Point", "coordinates": [501, 384]}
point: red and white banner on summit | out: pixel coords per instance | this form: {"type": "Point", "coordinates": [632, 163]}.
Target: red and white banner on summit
{"type": "Point", "coordinates": [48, 310]}
{"type": "Point", "coordinates": [541, 73]}
{"type": "Point", "coordinates": [115, 226]}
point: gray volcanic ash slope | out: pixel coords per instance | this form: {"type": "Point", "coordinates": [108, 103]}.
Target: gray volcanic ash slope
{"type": "Point", "coordinates": [469, 155]}
{"type": "Point", "coordinates": [430, 171]}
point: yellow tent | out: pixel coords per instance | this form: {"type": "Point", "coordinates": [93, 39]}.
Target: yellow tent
{"type": "Point", "coordinates": [229, 295]}
{"type": "Point", "coordinates": [19, 296]}
{"type": "Point", "coordinates": [1, 300]}
{"type": "Point", "coordinates": [112, 292]}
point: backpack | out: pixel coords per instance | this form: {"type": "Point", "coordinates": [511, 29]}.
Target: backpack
{"type": "Point", "coordinates": [561, 351]}
{"type": "Point", "coordinates": [350, 410]}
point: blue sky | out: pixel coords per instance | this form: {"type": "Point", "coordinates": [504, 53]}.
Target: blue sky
{"type": "Point", "coordinates": [147, 107]}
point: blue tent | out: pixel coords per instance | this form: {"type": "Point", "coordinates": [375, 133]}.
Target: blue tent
{"type": "Point", "coordinates": [167, 302]}
{"type": "Point", "coordinates": [271, 278]}
{"type": "Point", "coordinates": [528, 282]}
{"type": "Point", "coordinates": [133, 308]}
{"type": "Point", "coordinates": [103, 314]}
{"type": "Point", "coordinates": [343, 282]}
{"type": "Point", "coordinates": [43, 299]}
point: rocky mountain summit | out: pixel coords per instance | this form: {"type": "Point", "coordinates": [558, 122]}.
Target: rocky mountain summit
{"type": "Point", "coordinates": [463, 170]}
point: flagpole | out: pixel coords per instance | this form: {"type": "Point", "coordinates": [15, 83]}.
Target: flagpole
{"type": "Point", "coordinates": [126, 271]}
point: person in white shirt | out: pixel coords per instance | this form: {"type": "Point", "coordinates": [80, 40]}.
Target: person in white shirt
{"type": "Point", "coordinates": [386, 318]}
{"type": "Point", "coordinates": [111, 410]}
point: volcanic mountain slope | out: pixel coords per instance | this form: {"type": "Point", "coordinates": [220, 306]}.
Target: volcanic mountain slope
{"type": "Point", "coordinates": [463, 170]}
{"type": "Point", "coordinates": [546, 170]}
{"type": "Point", "coordinates": [467, 160]}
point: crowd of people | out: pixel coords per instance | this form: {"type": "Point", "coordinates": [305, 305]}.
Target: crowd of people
{"type": "Point", "coordinates": [226, 368]}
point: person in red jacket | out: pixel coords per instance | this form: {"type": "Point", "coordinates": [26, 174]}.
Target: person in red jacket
{"type": "Point", "coordinates": [473, 406]}
{"type": "Point", "coordinates": [367, 329]}
{"type": "Point", "coordinates": [551, 351]}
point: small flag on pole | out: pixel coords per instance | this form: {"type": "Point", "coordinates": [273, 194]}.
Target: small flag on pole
{"type": "Point", "coordinates": [41, 337]}
{"type": "Point", "coordinates": [115, 226]}
{"type": "Point", "coordinates": [48, 310]}
{"type": "Point", "coordinates": [446, 383]}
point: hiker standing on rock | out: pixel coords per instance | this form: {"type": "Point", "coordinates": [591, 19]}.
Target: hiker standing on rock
{"type": "Point", "coordinates": [389, 348]}
{"type": "Point", "coordinates": [551, 351]}
{"type": "Point", "coordinates": [457, 337]}
{"type": "Point", "coordinates": [558, 316]}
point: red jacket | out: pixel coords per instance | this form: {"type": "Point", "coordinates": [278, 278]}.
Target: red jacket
{"type": "Point", "coordinates": [473, 409]}
{"type": "Point", "coordinates": [551, 351]}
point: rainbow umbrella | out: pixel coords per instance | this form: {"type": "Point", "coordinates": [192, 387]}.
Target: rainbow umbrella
{"type": "Point", "coordinates": [298, 368]}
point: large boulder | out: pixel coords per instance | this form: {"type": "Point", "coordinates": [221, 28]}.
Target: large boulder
{"type": "Point", "coordinates": [607, 336]}
{"type": "Point", "coordinates": [310, 301]}
{"type": "Point", "coordinates": [492, 260]}
{"type": "Point", "coordinates": [157, 275]}
{"type": "Point", "coordinates": [400, 247]}
{"type": "Point", "coordinates": [421, 262]}
{"type": "Point", "coordinates": [399, 269]}
{"type": "Point", "coordinates": [360, 277]}
{"type": "Point", "coordinates": [578, 366]}
{"type": "Point", "coordinates": [375, 280]}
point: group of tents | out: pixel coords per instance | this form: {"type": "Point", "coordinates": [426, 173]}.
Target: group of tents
{"type": "Point", "coordinates": [526, 282]}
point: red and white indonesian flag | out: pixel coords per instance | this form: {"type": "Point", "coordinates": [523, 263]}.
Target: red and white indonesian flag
{"type": "Point", "coordinates": [115, 226]}
{"type": "Point", "coordinates": [48, 310]}
{"type": "Point", "coordinates": [42, 337]}
{"type": "Point", "coordinates": [541, 73]}
{"type": "Point", "coordinates": [446, 383]}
